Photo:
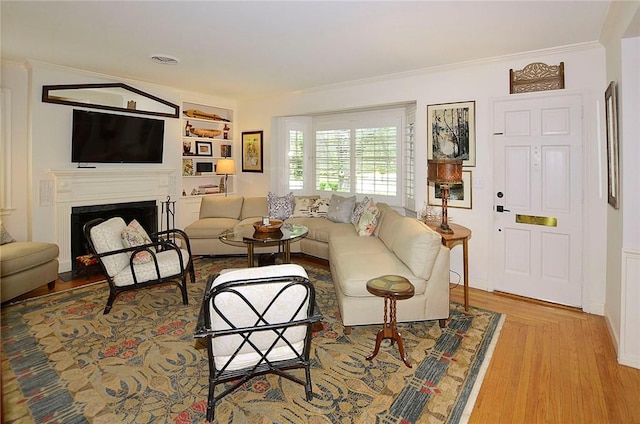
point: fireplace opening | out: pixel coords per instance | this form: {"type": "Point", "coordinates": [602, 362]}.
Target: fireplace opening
{"type": "Point", "coordinates": [145, 212]}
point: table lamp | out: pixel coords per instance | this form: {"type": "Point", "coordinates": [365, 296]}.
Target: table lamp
{"type": "Point", "coordinates": [444, 172]}
{"type": "Point", "coordinates": [226, 167]}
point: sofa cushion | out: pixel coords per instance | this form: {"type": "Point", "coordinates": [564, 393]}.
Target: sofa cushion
{"type": "Point", "coordinates": [358, 209]}
{"type": "Point", "coordinates": [254, 207]}
{"type": "Point", "coordinates": [368, 219]}
{"type": "Point", "coordinates": [168, 264]}
{"type": "Point", "coordinates": [22, 255]}
{"type": "Point", "coordinates": [280, 207]}
{"type": "Point", "coordinates": [302, 206]}
{"type": "Point", "coordinates": [5, 237]}
{"type": "Point", "coordinates": [134, 235]}
{"type": "Point", "coordinates": [364, 258]}
{"type": "Point", "coordinates": [106, 237]}
{"type": "Point", "coordinates": [207, 228]}
{"type": "Point", "coordinates": [221, 207]}
{"type": "Point", "coordinates": [320, 208]}
{"type": "Point", "coordinates": [417, 246]}
{"type": "Point", "coordinates": [340, 208]}
{"type": "Point", "coordinates": [320, 229]}
{"type": "Point", "coordinates": [386, 229]}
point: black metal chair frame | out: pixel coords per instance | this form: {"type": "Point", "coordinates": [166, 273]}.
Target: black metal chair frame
{"type": "Point", "coordinates": [263, 365]}
{"type": "Point", "coordinates": [161, 241]}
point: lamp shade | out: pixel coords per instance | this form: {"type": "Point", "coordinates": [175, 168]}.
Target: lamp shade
{"type": "Point", "coordinates": [444, 171]}
{"type": "Point", "coordinates": [226, 167]}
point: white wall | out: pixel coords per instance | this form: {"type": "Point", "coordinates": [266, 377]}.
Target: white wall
{"type": "Point", "coordinates": [619, 36]}
{"type": "Point", "coordinates": [41, 139]}
{"type": "Point", "coordinates": [15, 82]}
{"type": "Point", "coordinates": [482, 82]}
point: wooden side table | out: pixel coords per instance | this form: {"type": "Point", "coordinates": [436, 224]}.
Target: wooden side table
{"type": "Point", "coordinates": [392, 288]}
{"type": "Point", "coordinates": [460, 235]}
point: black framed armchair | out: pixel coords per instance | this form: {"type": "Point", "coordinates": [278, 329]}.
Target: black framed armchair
{"type": "Point", "coordinates": [256, 321]}
{"type": "Point", "coordinates": [162, 257]}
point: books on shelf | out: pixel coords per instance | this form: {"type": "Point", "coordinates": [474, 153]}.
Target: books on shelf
{"type": "Point", "coordinates": [208, 189]}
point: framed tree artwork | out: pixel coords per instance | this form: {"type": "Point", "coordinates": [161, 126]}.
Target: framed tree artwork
{"type": "Point", "coordinates": [611, 115]}
{"type": "Point", "coordinates": [451, 132]}
{"type": "Point", "coordinates": [252, 151]}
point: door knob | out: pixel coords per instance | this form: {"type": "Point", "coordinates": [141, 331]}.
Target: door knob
{"type": "Point", "coordinates": [500, 208]}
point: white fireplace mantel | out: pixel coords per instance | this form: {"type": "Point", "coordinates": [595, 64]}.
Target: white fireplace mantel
{"type": "Point", "coordinates": [96, 186]}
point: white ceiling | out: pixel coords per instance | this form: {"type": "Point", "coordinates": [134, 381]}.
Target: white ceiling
{"type": "Point", "coordinates": [242, 49]}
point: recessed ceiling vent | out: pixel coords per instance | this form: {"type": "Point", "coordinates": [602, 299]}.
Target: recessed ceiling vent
{"type": "Point", "coordinates": [164, 59]}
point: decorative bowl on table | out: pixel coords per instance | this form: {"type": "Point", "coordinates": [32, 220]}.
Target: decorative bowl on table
{"type": "Point", "coordinates": [273, 225]}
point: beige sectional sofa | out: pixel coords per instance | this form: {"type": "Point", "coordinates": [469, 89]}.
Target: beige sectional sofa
{"type": "Point", "coordinates": [399, 245]}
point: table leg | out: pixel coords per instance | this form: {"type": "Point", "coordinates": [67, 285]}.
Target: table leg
{"type": "Point", "coordinates": [465, 260]}
{"type": "Point", "coordinates": [390, 331]}
{"type": "Point", "coordinates": [286, 255]}
{"type": "Point", "coordinates": [250, 254]}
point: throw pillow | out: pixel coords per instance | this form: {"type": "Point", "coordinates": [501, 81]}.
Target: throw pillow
{"type": "Point", "coordinates": [357, 211]}
{"type": "Point", "coordinates": [280, 207]}
{"type": "Point", "coordinates": [340, 208]}
{"type": "Point", "coordinates": [302, 206]}
{"type": "Point", "coordinates": [368, 220]}
{"type": "Point", "coordinates": [5, 237]}
{"type": "Point", "coordinates": [133, 236]}
{"type": "Point", "coordinates": [320, 208]}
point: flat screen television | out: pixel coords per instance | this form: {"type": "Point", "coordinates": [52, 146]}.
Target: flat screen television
{"type": "Point", "coordinates": [108, 138]}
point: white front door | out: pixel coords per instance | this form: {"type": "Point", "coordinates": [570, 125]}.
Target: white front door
{"type": "Point", "coordinates": [538, 197]}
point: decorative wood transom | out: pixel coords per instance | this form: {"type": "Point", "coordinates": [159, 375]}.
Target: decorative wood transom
{"type": "Point", "coordinates": [536, 76]}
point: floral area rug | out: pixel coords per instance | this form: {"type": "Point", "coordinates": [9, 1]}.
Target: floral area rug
{"type": "Point", "coordinates": [63, 361]}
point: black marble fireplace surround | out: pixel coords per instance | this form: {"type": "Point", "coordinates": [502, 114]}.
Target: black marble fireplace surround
{"type": "Point", "coordinates": [145, 212]}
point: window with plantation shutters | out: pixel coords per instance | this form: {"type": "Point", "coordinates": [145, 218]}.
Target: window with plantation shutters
{"type": "Point", "coordinates": [333, 160]}
{"type": "Point", "coordinates": [376, 160]}
{"type": "Point", "coordinates": [356, 153]}
{"type": "Point", "coordinates": [410, 163]}
{"type": "Point", "coordinates": [296, 160]}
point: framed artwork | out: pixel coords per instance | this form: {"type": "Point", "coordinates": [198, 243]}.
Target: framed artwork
{"type": "Point", "coordinates": [451, 132]}
{"type": "Point", "coordinates": [611, 114]}
{"type": "Point", "coordinates": [225, 150]}
{"type": "Point", "coordinates": [252, 151]}
{"type": "Point", "coordinates": [204, 148]}
{"type": "Point", "coordinates": [459, 194]}
{"type": "Point", "coordinates": [187, 167]}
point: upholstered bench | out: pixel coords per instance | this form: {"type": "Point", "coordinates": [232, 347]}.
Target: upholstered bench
{"type": "Point", "coordinates": [26, 265]}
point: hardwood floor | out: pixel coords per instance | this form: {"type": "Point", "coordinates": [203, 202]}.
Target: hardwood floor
{"type": "Point", "coordinates": [551, 364]}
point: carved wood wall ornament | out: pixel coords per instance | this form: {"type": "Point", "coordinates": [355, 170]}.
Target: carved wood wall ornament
{"type": "Point", "coordinates": [536, 76]}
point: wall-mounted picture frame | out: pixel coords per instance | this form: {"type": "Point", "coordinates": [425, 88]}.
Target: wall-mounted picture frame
{"type": "Point", "coordinates": [451, 132]}
{"type": "Point", "coordinates": [225, 150]}
{"type": "Point", "coordinates": [611, 115]}
{"type": "Point", "coordinates": [252, 151]}
{"type": "Point", "coordinates": [204, 148]}
{"type": "Point", "coordinates": [187, 167]}
{"type": "Point", "coordinates": [459, 194]}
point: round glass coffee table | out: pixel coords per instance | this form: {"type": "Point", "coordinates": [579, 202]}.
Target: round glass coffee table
{"type": "Point", "coordinates": [247, 235]}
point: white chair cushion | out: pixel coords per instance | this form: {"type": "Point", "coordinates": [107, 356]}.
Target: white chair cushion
{"type": "Point", "coordinates": [168, 263]}
{"type": "Point", "coordinates": [106, 237]}
{"type": "Point", "coordinates": [236, 310]}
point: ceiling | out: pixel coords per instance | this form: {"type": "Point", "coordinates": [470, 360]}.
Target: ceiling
{"type": "Point", "coordinates": [245, 49]}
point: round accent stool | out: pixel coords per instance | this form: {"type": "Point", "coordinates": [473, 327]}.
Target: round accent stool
{"type": "Point", "coordinates": [392, 288]}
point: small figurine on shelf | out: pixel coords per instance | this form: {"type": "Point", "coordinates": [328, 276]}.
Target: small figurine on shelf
{"type": "Point", "coordinates": [187, 129]}
{"type": "Point", "coordinates": [186, 148]}
{"type": "Point", "coordinates": [194, 192]}
{"type": "Point", "coordinates": [184, 192]}
{"type": "Point", "coordinates": [226, 131]}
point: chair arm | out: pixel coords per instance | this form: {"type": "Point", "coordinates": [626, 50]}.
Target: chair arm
{"type": "Point", "coordinates": [171, 234]}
